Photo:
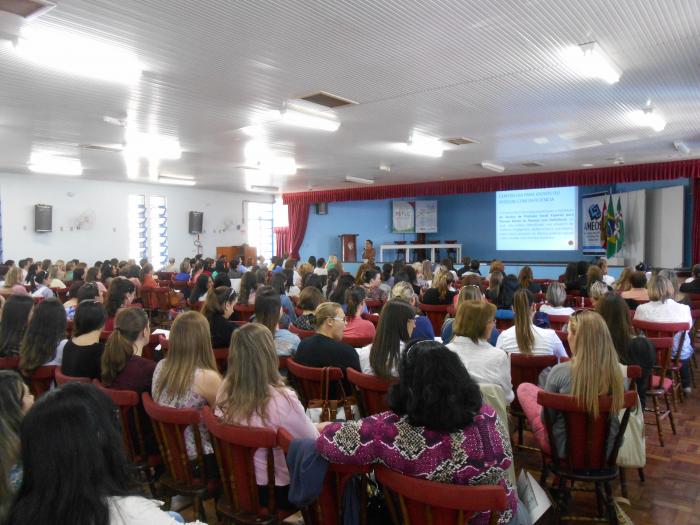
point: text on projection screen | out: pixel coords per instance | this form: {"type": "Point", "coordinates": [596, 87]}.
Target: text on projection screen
{"type": "Point", "coordinates": [539, 219]}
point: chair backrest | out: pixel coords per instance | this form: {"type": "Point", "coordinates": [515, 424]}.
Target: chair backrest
{"type": "Point", "coordinates": [221, 356]}
{"type": "Point", "coordinates": [9, 363]}
{"type": "Point", "coordinates": [318, 387]}
{"type": "Point", "coordinates": [564, 338]}
{"type": "Point", "coordinates": [245, 311]}
{"type": "Point", "coordinates": [169, 425]}
{"type": "Point", "coordinates": [436, 313]}
{"type": "Point", "coordinates": [586, 436]}
{"type": "Point", "coordinates": [557, 322]}
{"type": "Point", "coordinates": [148, 298]}
{"type": "Point", "coordinates": [165, 276]}
{"type": "Point", "coordinates": [526, 368]}
{"type": "Point", "coordinates": [634, 372]}
{"type": "Point", "coordinates": [358, 342]}
{"type": "Point", "coordinates": [41, 380]}
{"type": "Point", "coordinates": [374, 305]}
{"type": "Point", "coordinates": [127, 401]}
{"type": "Point", "coordinates": [301, 333]}
{"type": "Point", "coordinates": [371, 391]}
{"type": "Point", "coordinates": [62, 379]}
{"type": "Point", "coordinates": [373, 318]}
{"type": "Point", "coordinates": [662, 330]}
{"type": "Point", "coordinates": [428, 502]}
{"type": "Point", "coordinates": [664, 350]}
{"type": "Point", "coordinates": [235, 447]}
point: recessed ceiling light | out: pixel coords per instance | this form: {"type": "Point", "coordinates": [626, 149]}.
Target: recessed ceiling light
{"type": "Point", "coordinates": [422, 144]}
{"type": "Point", "coordinates": [54, 164]}
{"type": "Point", "coordinates": [493, 167]}
{"type": "Point", "coordinates": [589, 60]}
{"type": "Point", "coordinates": [307, 115]}
{"type": "Point", "coordinates": [587, 165]}
{"type": "Point", "coordinates": [647, 118]}
{"type": "Point", "coordinates": [541, 140]}
{"type": "Point", "coordinates": [268, 189]}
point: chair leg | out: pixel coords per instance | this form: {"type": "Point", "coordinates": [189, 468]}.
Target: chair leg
{"type": "Point", "coordinates": [670, 415]}
{"type": "Point", "coordinates": [600, 500]}
{"type": "Point", "coordinates": [655, 403]}
{"type": "Point", "coordinates": [199, 506]}
{"type": "Point", "coordinates": [609, 502]}
{"type": "Point", "coordinates": [623, 483]}
{"type": "Point", "coordinates": [640, 472]}
{"type": "Point", "coordinates": [521, 425]}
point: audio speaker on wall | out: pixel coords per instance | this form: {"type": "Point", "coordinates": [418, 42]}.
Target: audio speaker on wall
{"type": "Point", "coordinates": [196, 219]}
{"type": "Point", "coordinates": [322, 208]}
{"type": "Point", "coordinates": [43, 218]}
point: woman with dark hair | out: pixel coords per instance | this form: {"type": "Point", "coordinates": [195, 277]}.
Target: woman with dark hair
{"type": "Point", "coordinates": [526, 280]}
{"type": "Point", "coordinates": [382, 356]}
{"type": "Point", "coordinates": [75, 425]}
{"type": "Point", "coordinates": [201, 289]}
{"type": "Point", "coordinates": [569, 275]}
{"type": "Point", "coordinates": [332, 281]}
{"type": "Point", "coordinates": [371, 282]}
{"type": "Point", "coordinates": [355, 325]}
{"type": "Point", "coordinates": [249, 284]}
{"type": "Point", "coordinates": [121, 293]}
{"type": "Point", "coordinates": [15, 401]}
{"type": "Point", "coordinates": [218, 309]}
{"type": "Point", "coordinates": [13, 323]}
{"type": "Point", "coordinates": [83, 353]}
{"type": "Point", "coordinates": [268, 310]}
{"type": "Point", "coordinates": [313, 280]}
{"type": "Point", "coordinates": [278, 284]}
{"type": "Point", "coordinates": [107, 273]}
{"type": "Point", "coordinates": [45, 338]}
{"type": "Point", "coordinates": [31, 274]}
{"type": "Point", "coordinates": [93, 276]}
{"type": "Point", "coordinates": [387, 275]}
{"type": "Point", "coordinates": [41, 285]}
{"type": "Point", "coordinates": [345, 282]}
{"type": "Point", "coordinates": [79, 291]}
{"type": "Point", "coordinates": [464, 433]}
{"type": "Point", "coordinates": [309, 300]}
{"type": "Point", "coordinates": [638, 290]}
{"type": "Point", "coordinates": [261, 276]}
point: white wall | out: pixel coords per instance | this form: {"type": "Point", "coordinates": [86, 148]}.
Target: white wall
{"type": "Point", "coordinates": [108, 237]}
{"type": "Point", "coordinates": [665, 212]}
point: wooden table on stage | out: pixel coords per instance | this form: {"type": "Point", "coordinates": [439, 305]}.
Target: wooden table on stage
{"type": "Point", "coordinates": [408, 247]}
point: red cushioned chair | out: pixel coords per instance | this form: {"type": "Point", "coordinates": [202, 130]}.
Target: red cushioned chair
{"type": "Point", "coordinates": [371, 392]}
{"type": "Point", "coordinates": [422, 502]}
{"type": "Point", "coordinates": [314, 387]}
{"type": "Point", "coordinates": [169, 426]}
{"type": "Point", "coordinates": [374, 306]}
{"type": "Point", "coordinates": [653, 330]}
{"type": "Point", "coordinates": [41, 380]}
{"type": "Point", "coordinates": [235, 447]}
{"type": "Point", "coordinates": [9, 363]}
{"type": "Point", "coordinates": [436, 313]}
{"type": "Point", "coordinates": [373, 318]}
{"type": "Point", "coordinates": [165, 276]}
{"type": "Point", "coordinates": [303, 334]}
{"type": "Point", "coordinates": [558, 322]}
{"type": "Point", "coordinates": [358, 342]}
{"type": "Point", "coordinates": [221, 356]}
{"type": "Point", "coordinates": [564, 338]}
{"type": "Point", "coordinates": [282, 362]}
{"type": "Point", "coordinates": [526, 368]}
{"type": "Point", "coordinates": [62, 379]}
{"type": "Point", "coordinates": [585, 457]}
{"type": "Point", "coordinates": [244, 311]}
{"type": "Point", "coordinates": [327, 509]}
{"type": "Point", "coordinates": [660, 386]}
{"type": "Point", "coordinates": [130, 420]}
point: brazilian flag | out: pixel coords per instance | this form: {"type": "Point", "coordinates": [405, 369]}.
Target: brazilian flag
{"type": "Point", "coordinates": [619, 226]}
{"type": "Point", "coordinates": [611, 230]}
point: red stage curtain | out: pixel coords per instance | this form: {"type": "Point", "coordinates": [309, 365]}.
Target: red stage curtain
{"type": "Point", "coordinates": [281, 240]}
{"type": "Point", "coordinates": [298, 219]}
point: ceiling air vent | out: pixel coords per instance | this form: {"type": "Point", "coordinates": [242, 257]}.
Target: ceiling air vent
{"type": "Point", "coordinates": [326, 99]}
{"type": "Point", "coordinates": [26, 8]}
{"type": "Point", "coordinates": [460, 141]}
{"type": "Point", "coordinates": [532, 164]}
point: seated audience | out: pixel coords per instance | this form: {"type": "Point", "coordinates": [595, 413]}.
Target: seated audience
{"type": "Point", "coordinates": [441, 292]}
{"type": "Point", "coordinates": [470, 292]}
{"type": "Point", "coordinates": [555, 299]}
{"type": "Point", "coordinates": [13, 283]}
{"type": "Point", "coordinates": [15, 402]}
{"type": "Point", "coordinates": [83, 353]}
{"type": "Point", "coordinates": [371, 282]}
{"type": "Point", "coordinates": [500, 292]}
{"type": "Point", "coordinates": [396, 325]}
{"type": "Point", "coordinates": [93, 276]}
{"type": "Point", "coordinates": [41, 286]}
{"type": "Point", "coordinates": [602, 263]}
{"type": "Point", "coordinates": [637, 291]}
{"type": "Point", "coordinates": [526, 280]}
{"type": "Point", "coordinates": [121, 293]}
{"type": "Point", "coordinates": [73, 427]}
{"type": "Point", "coordinates": [184, 274]}
{"type": "Point", "coordinates": [355, 325]}
{"type": "Point", "coordinates": [677, 295]}
{"type": "Point", "coordinates": [692, 283]}
{"type": "Point", "coordinates": [268, 311]}
{"type": "Point", "coordinates": [387, 277]}
{"type": "Point", "coordinates": [188, 378]}
{"type": "Point", "coordinates": [593, 275]}
{"type": "Point", "coordinates": [496, 266]}
{"type": "Point", "coordinates": [593, 370]}
{"type": "Point", "coordinates": [466, 261]}
{"type": "Point", "coordinates": [321, 267]}
{"type": "Point", "coordinates": [122, 366]}
{"type": "Point", "coordinates": [278, 284]}
{"type": "Point", "coordinates": [623, 283]}
{"type": "Point", "coordinates": [54, 281]}
{"type": "Point", "coordinates": [13, 324]}
{"type": "Point", "coordinates": [309, 299]}
{"type": "Point", "coordinates": [331, 282]}
{"type": "Point", "coordinates": [344, 283]}
{"type": "Point", "coordinates": [472, 327]}
{"type": "Point", "coordinates": [249, 283]}
{"type": "Point", "coordinates": [201, 289]}
{"type": "Point", "coordinates": [465, 433]}
{"type": "Point", "coordinates": [526, 338]}
{"type": "Point", "coordinates": [253, 394]}
{"type": "Point", "coordinates": [45, 337]}
{"type": "Point", "coordinates": [146, 276]}
{"type": "Point", "coordinates": [218, 309]}
{"type": "Point", "coordinates": [403, 291]}
{"type": "Point", "coordinates": [661, 308]}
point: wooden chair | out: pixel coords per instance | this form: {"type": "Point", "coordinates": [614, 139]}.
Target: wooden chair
{"type": "Point", "coordinates": [303, 334]}
{"type": "Point", "coordinates": [373, 318]}
{"type": "Point", "coordinates": [62, 379]}
{"type": "Point", "coordinates": [558, 322]}
{"type": "Point", "coordinates": [660, 386]}
{"type": "Point", "coordinates": [169, 425]}
{"type": "Point", "coordinates": [371, 392]}
{"type": "Point", "coordinates": [584, 458]}
{"type": "Point", "coordinates": [165, 276]}
{"type": "Point", "coordinates": [235, 447]}
{"type": "Point", "coordinates": [244, 311]}
{"type": "Point", "coordinates": [9, 363]}
{"type": "Point", "coordinates": [526, 368]}
{"type": "Point", "coordinates": [221, 356]}
{"type": "Point", "coordinates": [314, 386]}
{"type": "Point", "coordinates": [131, 422]}
{"type": "Point", "coordinates": [503, 324]}
{"type": "Point", "coordinates": [653, 330]}
{"type": "Point", "coordinates": [374, 306]}
{"type": "Point", "coordinates": [358, 342]}
{"type": "Point", "coordinates": [41, 380]}
{"type": "Point", "coordinates": [564, 338]}
{"type": "Point", "coordinates": [422, 502]}
{"type": "Point", "coordinates": [328, 508]}
{"type": "Point", "coordinates": [436, 313]}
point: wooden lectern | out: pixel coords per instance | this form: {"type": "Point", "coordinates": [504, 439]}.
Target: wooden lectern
{"type": "Point", "coordinates": [348, 243]}
{"type": "Point", "coordinates": [249, 253]}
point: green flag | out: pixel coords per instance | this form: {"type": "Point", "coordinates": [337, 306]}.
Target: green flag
{"type": "Point", "coordinates": [610, 229]}
{"type": "Point", "coordinates": [619, 226]}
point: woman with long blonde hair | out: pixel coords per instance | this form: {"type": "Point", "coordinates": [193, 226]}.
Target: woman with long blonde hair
{"type": "Point", "coordinates": [593, 371]}
{"type": "Point", "coordinates": [253, 394]}
{"type": "Point", "coordinates": [440, 291]}
{"type": "Point", "coordinates": [623, 284]}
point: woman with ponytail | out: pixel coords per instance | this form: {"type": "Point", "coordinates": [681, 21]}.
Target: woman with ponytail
{"type": "Point", "coordinates": [122, 366]}
{"type": "Point", "coordinates": [526, 338]}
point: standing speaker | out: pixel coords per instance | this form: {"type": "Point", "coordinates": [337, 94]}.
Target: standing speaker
{"type": "Point", "coordinates": [322, 208]}
{"type": "Point", "coordinates": [43, 218]}
{"type": "Point", "coordinates": [196, 219]}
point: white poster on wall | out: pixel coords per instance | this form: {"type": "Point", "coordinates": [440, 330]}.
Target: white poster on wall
{"type": "Point", "coordinates": [403, 217]}
{"type": "Point", "coordinates": [426, 217]}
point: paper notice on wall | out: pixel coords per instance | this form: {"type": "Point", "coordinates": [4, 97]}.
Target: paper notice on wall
{"type": "Point", "coordinates": [403, 217]}
{"type": "Point", "coordinates": [426, 217]}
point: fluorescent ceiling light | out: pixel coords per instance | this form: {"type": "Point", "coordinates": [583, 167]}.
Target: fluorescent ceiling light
{"type": "Point", "coordinates": [358, 180]}
{"type": "Point", "coordinates": [422, 144]}
{"type": "Point", "coordinates": [152, 146]}
{"type": "Point", "coordinates": [79, 55]}
{"type": "Point", "coordinates": [271, 189]}
{"type": "Point", "coordinates": [493, 167]}
{"type": "Point", "coordinates": [176, 181]}
{"type": "Point", "coordinates": [306, 115]}
{"type": "Point", "coordinates": [647, 118]}
{"type": "Point", "coordinates": [181, 177]}
{"type": "Point", "coordinates": [55, 164]}
{"type": "Point", "coordinates": [589, 60]}
{"type": "Point", "coordinates": [681, 147]}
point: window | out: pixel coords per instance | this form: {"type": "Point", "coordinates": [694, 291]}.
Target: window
{"type": "Point", "coordinates": [137, 227]}
{"type": "Point", "coordinates": [260, 228]}
{"type": "Point", "coordinates": [157, 231]}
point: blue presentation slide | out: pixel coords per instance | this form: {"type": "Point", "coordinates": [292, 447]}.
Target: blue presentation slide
{"type": "Point", "coordinates": [540, 219]}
